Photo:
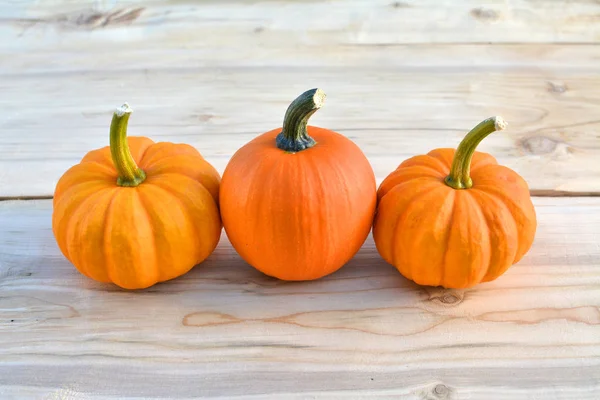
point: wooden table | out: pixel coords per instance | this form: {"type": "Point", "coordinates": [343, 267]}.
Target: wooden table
{"type": "Point", "coordinates": [402, 78]}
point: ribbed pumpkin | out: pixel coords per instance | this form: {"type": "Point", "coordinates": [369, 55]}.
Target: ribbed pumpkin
{"type": "Point", "coordinates": [454, 218]}
{"type": "Point", "coordinates": [136, 226]}
{"type": "Point", "coordinates": [298, 202]}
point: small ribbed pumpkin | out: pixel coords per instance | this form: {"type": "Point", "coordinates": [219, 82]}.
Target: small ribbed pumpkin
{"type": "Point", "coordinates": [454, 218]}
{"type": "Point", "coordinates": [137, 212]}
{"type": "Point", "coordinates": [297, 202]}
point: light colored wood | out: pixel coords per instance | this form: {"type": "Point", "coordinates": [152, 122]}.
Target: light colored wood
{"type": "Point", "coordinates": [51, 121]}
{"type": "Point", "coordinates": [402, 77]}
{"type": "Point", "coordinates": [226, 331]}
{"type": "Point", "coordinates": [545, 58]}
{"type": "Point", "coordinates": [67, 35]}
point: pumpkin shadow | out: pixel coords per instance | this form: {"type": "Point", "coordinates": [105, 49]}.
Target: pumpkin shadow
{"type": "Point", "coordinates": [364, 272]}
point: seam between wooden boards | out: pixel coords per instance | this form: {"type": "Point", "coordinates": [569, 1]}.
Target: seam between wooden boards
{"type": "Point", "coordinates": [534, 193]}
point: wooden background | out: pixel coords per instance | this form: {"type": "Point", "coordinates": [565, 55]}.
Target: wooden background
{"type": "Point", "coordinates": [402, 77]}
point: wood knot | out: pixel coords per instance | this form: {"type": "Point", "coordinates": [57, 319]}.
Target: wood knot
{"type": "Point", "coordinates": [437, 392]}
{"type": "Point", "coordinates": [557, 87]}
{"type": "Point", "coordinates": [441, 391]}
{"type": "Point", "coordinates": [449, 299]}
{"type": "Point", "coordinates": [538, 145]}
{"type": "Point", "coordinates": [400, 4]}
{"type": "Point", "coordinates": [446, 297]}
{"type": "Point", "coordinates": [95, 19]}
{"type": "Point", "coordinates": [89, 19]}
{"type": "Point", "coordinates": [485, 14]}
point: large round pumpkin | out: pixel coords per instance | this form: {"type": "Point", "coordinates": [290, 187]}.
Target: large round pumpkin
{"type": "Point", "coordinates": [137, 212]}
{"type": "Point", "coordinates": [454, 218]}
{"type": "Point", "coordinates": [298, 202]}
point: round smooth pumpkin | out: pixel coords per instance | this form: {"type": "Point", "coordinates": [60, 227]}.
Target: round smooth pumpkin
{"type": "Point", "coordinates": [297, 202]}
{"type": "Point", "coordinates": [454, 218]}
{"type": "Point", "coordinates": [137, 212]}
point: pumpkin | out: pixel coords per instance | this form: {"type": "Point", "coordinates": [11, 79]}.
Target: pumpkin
{"type": "Point", "coordinates": [137, 212]}
{"type": "Point", "coordinates": [297, 202]}
{"type": "Point", "coordinates": [454, 218]}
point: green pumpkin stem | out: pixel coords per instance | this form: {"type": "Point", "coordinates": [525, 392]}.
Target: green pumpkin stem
{"type": "Point", "coordinates": [129, 173]}
{"type": "Point", "coordinates": [460, 171]}
{"type": "Point", "coordinates": [294, 135]}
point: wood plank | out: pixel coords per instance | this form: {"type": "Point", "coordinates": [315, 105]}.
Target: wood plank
{"type": "Point", "coordinates": [49, 122]}
{"type": "Point", "coordinates": [64, 35]}
{"type": "Point", "coordinates": [377, 21]}
{"type": "Point", "coordinates": [225, 330]}
{"type": "Point", "coordinates": [547, 58]}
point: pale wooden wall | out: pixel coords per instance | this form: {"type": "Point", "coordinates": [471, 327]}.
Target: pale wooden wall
{"type": "Point", "coordinates": [402, 77]}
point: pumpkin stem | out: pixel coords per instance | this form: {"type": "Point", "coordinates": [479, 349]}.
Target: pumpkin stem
{"type": "Point", "coordinates": [459, 177]}
{"type": "Point", "coordinates": [294, 135]}
{"type": "Point", "coordinates": [129, 173]}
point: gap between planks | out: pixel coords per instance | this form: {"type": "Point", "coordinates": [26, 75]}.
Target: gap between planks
{"type": "Point", "coordinates": [533, 193]}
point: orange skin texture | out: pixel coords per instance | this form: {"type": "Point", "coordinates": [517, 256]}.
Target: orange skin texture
{"type": "Point", "coordinates": [135, 237]}
{"type": "Point", "coordinates": [439, 236]}
{"type": "Point", "coordinates": [298, 216]}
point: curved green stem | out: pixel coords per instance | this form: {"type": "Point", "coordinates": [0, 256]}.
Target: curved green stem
{"type": "Point", "coordinates": [459, 177]}
{"type": "Point", "coordinates": [129, 173]}
{"type": "Point", "coordinates": [294, 135]}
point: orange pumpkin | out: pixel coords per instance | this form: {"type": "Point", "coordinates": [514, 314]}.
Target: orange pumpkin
{"type": "Point", "coordinates": [454, 218]}
{"type": "Point", "coordinates": [298, 202]}
{"type": "Point", "coordinates": [136, 226]}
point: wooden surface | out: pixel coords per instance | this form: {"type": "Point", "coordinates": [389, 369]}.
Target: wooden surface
{"type": "Point", "coordinates": [226, 330]}
{"type": "Point", "coordinates": [402, 77]}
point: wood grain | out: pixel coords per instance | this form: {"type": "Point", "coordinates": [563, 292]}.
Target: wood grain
{"type": "Point", "coordinates": [49, 122]}
{"type": "Point", "coordinates": [226, 331]}
{"type": "Point", "coordinates": [66, 35]}
{"type": "Point", "coordinates": [402, 77]}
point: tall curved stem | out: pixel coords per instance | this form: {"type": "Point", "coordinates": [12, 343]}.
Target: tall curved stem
{"type": "Point", "coordinates": [459, 177]}
{"type": "Point", "coordinates": [294, 136]}
{"type": "Point", "coordinates": [129, 173]}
